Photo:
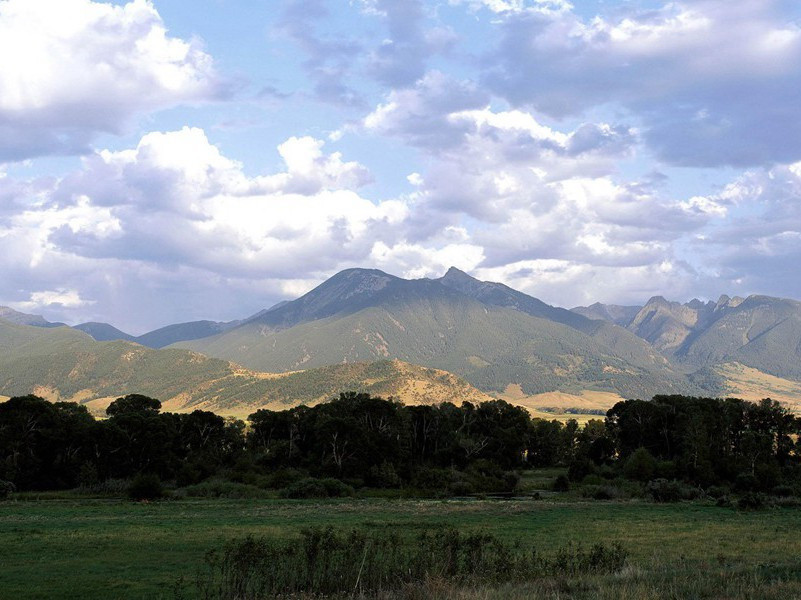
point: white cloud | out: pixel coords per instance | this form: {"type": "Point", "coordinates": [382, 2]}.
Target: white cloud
{"type": "Point", "coordinates": [712, 82]}
{"type": "Point", "coordinates": [70, 69]}
{"type": "Point", "coordinates": [174, 211]}
{"type": "Point", "coordinates": [60, 297]}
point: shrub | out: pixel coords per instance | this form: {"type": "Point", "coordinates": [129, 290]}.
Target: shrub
{"type": "Point", "coordinates": [317, 488]}
{"type": "Point", "coordinates": [145, 486]}
{"type": "Point", "coordinates": [6, 489]}
{"type": "Point", "coordinates": [751, 501]}
{"type": "Point", "coordinates": [783, 491]}
{"type": "Point", "coordinates": [561, 484]}
{"type": "Point", "coordinates": [745, 482]}
{"type": "Point", "coordinates": [663, 490]}
{"type": "Point", "coordinates": [640, 466]}
{"type": "Point", "coordinates": [325, 562]}
{"type": "Point", "coordinates": [602, 492]}
{"type": "Point", "coordinates": [87, 475]}
{"type": "Point", "coordinates": [384, 476]}
{"type": "Point", "coordinates": [219, 488]}
{"type": "Point", "coordinates": [716, 492]}
{"type": "Point", "coordinates": [579, 469]}
{"type": "Point", "coordinates": [284, 477]}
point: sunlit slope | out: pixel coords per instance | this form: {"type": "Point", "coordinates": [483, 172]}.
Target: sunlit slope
{"type": "Point", "coordinates": [489, 346]}
{"type": "Point", "coordinates": [64, 364]}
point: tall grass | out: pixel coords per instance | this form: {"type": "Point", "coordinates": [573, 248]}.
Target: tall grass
{"type": "Point", "coordinates": [327, 562]}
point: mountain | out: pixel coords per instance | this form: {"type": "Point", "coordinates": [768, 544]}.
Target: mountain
{"type": "Point", "coordinates": [13, 316]}
{"type": "Point", "coordinates": [158, 338]}
{"type": "Point", "coordinates": [759, 332]}
{"type": "Point", "coordinates": [498, 294]}
{"type": "Point", "coordinates": [668, 325]}
{"type": "Point", "coordinates": [103, 332]}
{"type": "Point", "coordinates": [180, 332]}
{"type": "Point", "coordinates": [613, 313]}
{"type": "Point", "coordinates": [65, 364]}
{"type": "Point", "coordinates": [487, 333]}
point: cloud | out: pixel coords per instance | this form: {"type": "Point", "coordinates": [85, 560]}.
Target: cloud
{"type": "Point", "coordinates": [71, 69]}
{"type": "Point", "coordinates": [60, 297]}
{"type": "Point", "coordinates": [175, 216]}
{"type": "Point", "coordinates": [712, 82]}
{"type": "Point", "coordinates": [525, 191]}
{"type": "Point", "coordinates": [758, 248]}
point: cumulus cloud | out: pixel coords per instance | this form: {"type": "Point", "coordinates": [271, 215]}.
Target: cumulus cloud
{"type": "Point", "coordinates": [70, 69]}
{"type": "Point", "coordinates": [174, 211]}
{"type": "Point", "coordinates": [712, 82]}
{"type": "Point", "coordinates": [758, 248]}
{"type": "Point", "coordinates": [527, 191]}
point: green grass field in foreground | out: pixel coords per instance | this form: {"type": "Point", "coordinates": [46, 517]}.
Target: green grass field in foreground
{"type": "Point", "coordinates": [119, 549]}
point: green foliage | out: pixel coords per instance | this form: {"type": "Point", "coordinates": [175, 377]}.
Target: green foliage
{"type": "Point", "coordinates": [326, 562]}
{"type": "Point", "coordinates": [145, 486]}
{"type": "Point", "coordinates": [6, 489]}
{"type": "Point", "coordinates": [218, 488]}
{"type": "Point", "coordinates": [640, 466]}
{"type": "Point", "coordinates": [317, 488]}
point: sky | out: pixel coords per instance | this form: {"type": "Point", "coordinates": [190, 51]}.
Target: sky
{"type": "Point", "coordinates": [165, 160]}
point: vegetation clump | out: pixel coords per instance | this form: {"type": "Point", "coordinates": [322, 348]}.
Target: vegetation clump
{"type": "Point", "coordinates": [325, 562]}
{"type": "Point", "coordinates": [146, 486]}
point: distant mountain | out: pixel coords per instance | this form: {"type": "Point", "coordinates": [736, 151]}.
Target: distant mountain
{"type": "Point", "coordinates": [498, 294]}
{"type": "Point", "coordinates": [13, 316]}
{"type": "Point", "coordinates": [668, 325]}
{"type": "Point", "coordinates": [182, 332]}
{"type": "Point", "coordinates": [65, 364]}
{"type": "Point", "coordinates": [759, 332]}
{"type": "Point", "coordinates": [613, 313]}
{"type": "Point", "coordinates": [487, 333]}
{"type": "Point", "coordinates": [103, 332]}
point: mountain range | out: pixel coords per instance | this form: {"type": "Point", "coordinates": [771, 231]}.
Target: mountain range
{"type": "Point", "coordinates": [484, 338]}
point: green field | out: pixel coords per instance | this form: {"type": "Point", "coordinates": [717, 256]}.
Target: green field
{"type": "Point", "coordinates": [83, 548]}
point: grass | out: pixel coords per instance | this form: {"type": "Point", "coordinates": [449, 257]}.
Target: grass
{"type": "Point", "coordinates": [84, 548]}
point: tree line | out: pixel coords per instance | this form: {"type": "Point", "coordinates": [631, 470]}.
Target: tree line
{"type": "Point", "coordinates": [365, 441]}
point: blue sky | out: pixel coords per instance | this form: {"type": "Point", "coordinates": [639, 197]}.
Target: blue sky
{"type": "Point", "coordinates": [166, 160]}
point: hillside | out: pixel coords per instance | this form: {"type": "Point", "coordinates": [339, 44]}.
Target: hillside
{"type": "Point", "coordinates": [362, 315]}
{"type": "Point", "coordinates": [103, 332]}
{"type": "Point", "coordinates": [613, 313]}
{"type": "Point", "coordinates": [64, 364]}
{"type": "Point", "coordinates": [21, 318]}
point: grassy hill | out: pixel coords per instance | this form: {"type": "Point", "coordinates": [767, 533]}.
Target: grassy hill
{"type": "Point", "coordinates": [65, 364]}
{"type": "Point", "coordinates": [423, 322]}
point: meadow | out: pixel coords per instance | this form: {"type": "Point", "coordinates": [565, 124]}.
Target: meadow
{"type": "Point", "coordinates": [80, 548]}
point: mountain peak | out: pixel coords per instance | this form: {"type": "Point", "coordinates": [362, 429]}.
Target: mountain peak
{"type": "Point", "coordinates": [454, 273]}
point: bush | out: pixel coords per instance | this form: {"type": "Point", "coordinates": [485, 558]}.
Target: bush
{"type": "Point", "coordinates": [145, 486]}
{"type": "Point", "coordinates": [640, 466]}
{"type": "Point", "coordinates": [751, 501]}
{"type": "Point", "coordinates": [745, 482]}
{"type": "Point", "coordinates": [325, 562]}
{"type": "Point", "coordinates": [6, 489]}
{"type": "Point", "coordinates": [219, 488]}
{"type": "Point", "coordinates": [108, 487]}
{"type": "Point", "coordinates": [317, 488]}
{"type": "Point", "coordinates": [716, 492]}
{"type": "Point", "coordinates": [602, 492]}
{"type": "Point", "coordinates": [384, 476]}
{"type": "Point", "coordinates": [663, 490]}
{"type": "Point", "coordinates": [783, 491]}
{"type": "Point", "coordinates": [579, 469]}
{"type": "Point", "coordinates": [561, 484]}
{"type": "Point", "coordinates": [284, 477]}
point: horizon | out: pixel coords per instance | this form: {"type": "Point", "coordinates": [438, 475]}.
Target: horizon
{"type": "Point", "coordinates": [161, 163]}
{"type": "Point", "coordinates": [211, 318]}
